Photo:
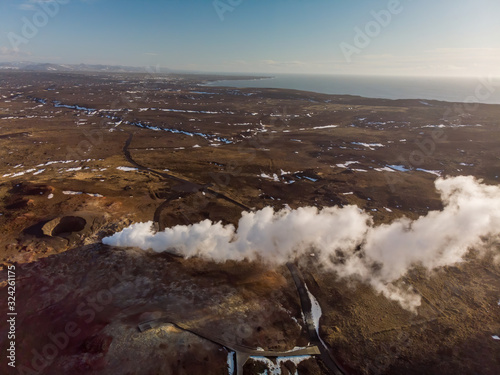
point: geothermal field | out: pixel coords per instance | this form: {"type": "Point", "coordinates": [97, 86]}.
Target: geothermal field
{"type": "Point", "coordinates": [155, 225]}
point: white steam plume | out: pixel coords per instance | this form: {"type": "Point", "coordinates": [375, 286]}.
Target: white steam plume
{"type": "Point", "coordinates": [471, 213]}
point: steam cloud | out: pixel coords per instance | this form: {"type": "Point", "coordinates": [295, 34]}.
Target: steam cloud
{"type": "Point", "coordinates": [343, 239]}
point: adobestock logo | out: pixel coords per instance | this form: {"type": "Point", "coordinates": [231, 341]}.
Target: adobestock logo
{"type": "Point", "coordinates": [223, 6]}
{"type": "Point", "coordinates": [47, 9]}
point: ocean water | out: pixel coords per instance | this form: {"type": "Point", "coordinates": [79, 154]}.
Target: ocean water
{"type": "Point", "coordinates": [482, 90]}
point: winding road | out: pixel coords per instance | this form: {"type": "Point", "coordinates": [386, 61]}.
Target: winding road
{"type": "Point", "coordinates": [243, 353]}
{"type": "Point", "coordinates": [157, 214]}
{"type": "Point", "coordinates": [326, 356]}
{"type": "Point", "coordinates": [188, 187]}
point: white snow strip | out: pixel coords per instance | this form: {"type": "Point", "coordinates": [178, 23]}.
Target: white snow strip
{"type": "Point", "coordinates": [399, 168]}
{"type": "Point", "coordinates": [384, 169]}
{"type": "Point", "coordinates": [369, 146]}
{"type": "Point", "coordinates": [69, 192]}
{"type": "Point", "coordinates": [325, 127]}
{"type": "Point", "coordinates": [347, 164]}
{"type": "Point", "coordinates": [437, 173]}
{"type": "Point", "coordinates": [434, 126]}
{"type": "Point", "coordinates": [274, 177]}
{"type": "Point", "coordinates": [127, 169]}
{"type": "Point", "coordinates": [230, 363]}
{"type": "Point", "coordinates": [310, 179]}
{"type": "Point", "coordinates": [59, 162]}
{"type": "Point", "coordinates": [315, 310]}
{"type": "Point", "coordinates": [95, 195]}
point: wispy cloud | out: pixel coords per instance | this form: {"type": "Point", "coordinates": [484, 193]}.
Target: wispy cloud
{"type": "Point", "coordinates": [440, 61]}
{"type": "Point", "coordinates": [40, 1]}
{"type": "Point", "coordinates": [4, 51]}
{"type": "Point", "coordinates": [467, 62]}
{"type": "Point", "coordinates": [27, 6]}
{"type": "Point", "coordinates": [31, 5]}
{"type": "Point", "coordinates": [283, 63]}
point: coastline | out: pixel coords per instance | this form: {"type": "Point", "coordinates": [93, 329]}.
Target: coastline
{"type": "Point", "coordinates": [453, 90]}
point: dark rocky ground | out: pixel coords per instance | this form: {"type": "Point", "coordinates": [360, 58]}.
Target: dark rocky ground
{"type": "Point", "coordinates": [65, 183]}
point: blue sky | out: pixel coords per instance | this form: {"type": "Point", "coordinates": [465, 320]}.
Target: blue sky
{"type": "Point", "coordinates": [422, 37]}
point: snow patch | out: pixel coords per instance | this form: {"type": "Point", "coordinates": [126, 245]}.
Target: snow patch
{"type": "Point", "coordinates": [315, 310]}
{"type": "Point", "coordinates": [369, 146]}
{"type": "Point", "coordinates": [325, 127]}
{"type": "Point", "coordinates": [347, 164]}
{"type": "Point", "coordinates": [127, 169]}
{"type": "Point", "coordinates": [69, 192]}
{"type": "Point", "coordinates": [437, 173]}
{"type": "Point", "coordinates": [230, 363]}
{"type": "Point", "coordinates": [399, 168]}
{"type": "Point", "coordinates": [274, 177]}
{"type": "Point", "coordinates": [275, 368]}
{"type": "Point", "coordinates": [384, 169]}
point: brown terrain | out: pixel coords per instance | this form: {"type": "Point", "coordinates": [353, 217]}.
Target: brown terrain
{"type": "Point", "coordinates": [85, 155]}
